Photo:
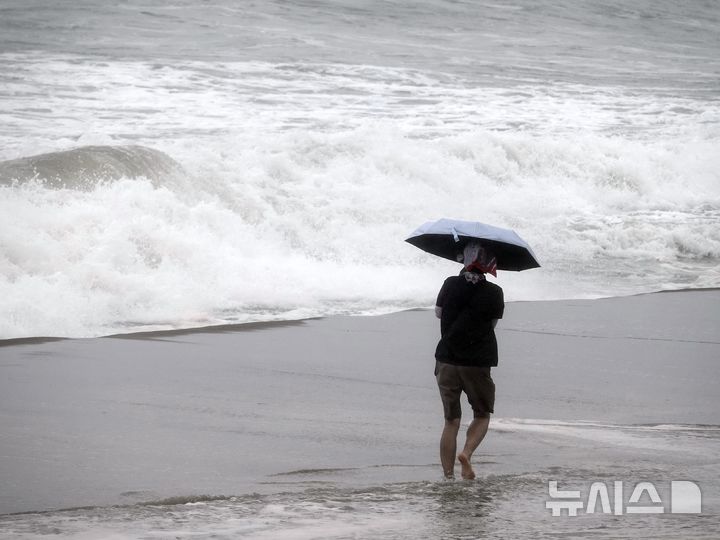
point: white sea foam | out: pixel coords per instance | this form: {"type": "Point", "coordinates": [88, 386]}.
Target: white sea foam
{"type": "Point", "coordinates": [662, 437]}
{"type": "Point", "coordinates": [286, 519]}
{"type": "Point", "coordinates": [303, 180]}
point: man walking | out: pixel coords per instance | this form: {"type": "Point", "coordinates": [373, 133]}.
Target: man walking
{"type": "Point", "coordinates": [468, 307]}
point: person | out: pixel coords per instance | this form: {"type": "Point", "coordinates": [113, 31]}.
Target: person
{"type": "Point", "coordinates": [468, 307]}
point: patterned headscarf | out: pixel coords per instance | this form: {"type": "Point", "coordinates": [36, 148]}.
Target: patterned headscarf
{"type": "Point", "coordinates": [476, 257]}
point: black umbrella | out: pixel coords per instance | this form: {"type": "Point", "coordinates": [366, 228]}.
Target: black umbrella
{"type": "Point", "coordinates": [448, 237]}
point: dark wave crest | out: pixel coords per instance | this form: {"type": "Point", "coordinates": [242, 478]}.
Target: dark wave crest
{"type": "Point", "coordinates": [83, 168]}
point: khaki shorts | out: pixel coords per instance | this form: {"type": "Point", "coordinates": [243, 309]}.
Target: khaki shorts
{"type": "Point", "coordinates": [474, 381]}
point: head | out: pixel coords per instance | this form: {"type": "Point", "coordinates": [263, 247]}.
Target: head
{"type": "Point", "coordinates": [477, 258]}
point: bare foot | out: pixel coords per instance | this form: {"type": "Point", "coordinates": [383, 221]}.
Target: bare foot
{"type": "Point", "coordinates": [467, 470]}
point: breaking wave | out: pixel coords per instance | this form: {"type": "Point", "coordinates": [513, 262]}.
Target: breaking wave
{"type": "Point", "coordinates": [85, 167]}
{"type": "Point", "coordinates": [285, 190]}
{"type": "Point", "coordinates": [312, 224]}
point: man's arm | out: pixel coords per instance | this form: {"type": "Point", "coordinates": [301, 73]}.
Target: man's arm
{"type": "Point", "coordinates": [499, 308]}
{"type": "Point", "coordinates": [441, 299]}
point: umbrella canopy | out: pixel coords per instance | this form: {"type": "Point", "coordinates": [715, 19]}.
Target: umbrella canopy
{"type": "Point", "coordinates": [448, 237]}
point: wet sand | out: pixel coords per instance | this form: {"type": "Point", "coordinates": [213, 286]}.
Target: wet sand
{"type": "Point", "coordinates": [271, 407]}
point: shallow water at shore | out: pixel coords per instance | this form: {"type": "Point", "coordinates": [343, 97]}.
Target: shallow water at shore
{"type": "Point", "coordinates": [328, 427]}
{"type": "Point", "coordinates": [494, 505]}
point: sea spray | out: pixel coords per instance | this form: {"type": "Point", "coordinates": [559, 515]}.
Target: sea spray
{"type": "Point", "coordinates": [313, 223]}
{"type": "Point", "coordinates": [312, 142]}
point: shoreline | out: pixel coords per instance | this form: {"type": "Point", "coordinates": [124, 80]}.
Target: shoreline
{"type": "Point", "coordinates": [259, 325]}
{"type": "Point", "coordinates": [351, 401]}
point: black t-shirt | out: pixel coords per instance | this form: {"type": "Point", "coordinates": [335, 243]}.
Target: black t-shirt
{"type": "Point", "coordinates": [468, 309]}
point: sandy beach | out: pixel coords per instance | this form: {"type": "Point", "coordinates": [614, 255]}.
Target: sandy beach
{"type": "Point", "coordinates": [617, 388]}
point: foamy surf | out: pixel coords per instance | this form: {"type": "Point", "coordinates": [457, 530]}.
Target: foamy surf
{"type": "Point", "coordinates": [325, 155]}
{"type": "Point", "coordinates": [665, 438]}
{"type": "Point", "coordinates": [313, 224]}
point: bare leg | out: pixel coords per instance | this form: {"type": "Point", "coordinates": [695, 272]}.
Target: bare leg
{"type": "Point", "coordinates": [475, 434]}
{"type": "Point", "coordinates": [448, 446]}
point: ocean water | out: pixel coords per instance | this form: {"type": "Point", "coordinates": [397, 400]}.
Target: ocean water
{"type": "Point", "coordinates": [501, 506]}
{"type": "Point", "coordinates": [172, 164]}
